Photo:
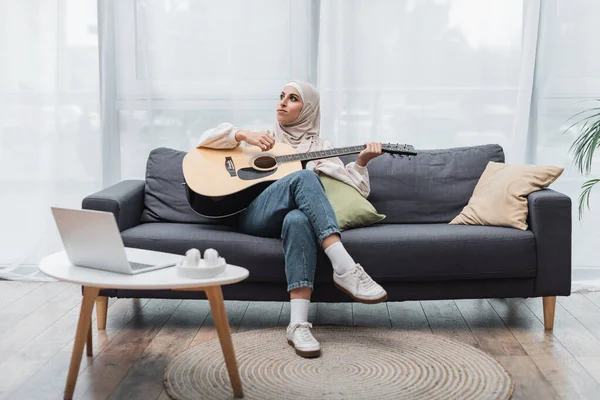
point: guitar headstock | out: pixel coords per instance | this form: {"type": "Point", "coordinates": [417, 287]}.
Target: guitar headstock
{"type": "Point", "coordinates": [398, 149]}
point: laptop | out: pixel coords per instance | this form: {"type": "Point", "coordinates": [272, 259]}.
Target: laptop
{"type": "Point", "coordinates": [92, 240]}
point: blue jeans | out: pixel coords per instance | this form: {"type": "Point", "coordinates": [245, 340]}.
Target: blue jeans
{"type": "Point", "coordinates": [295, 208]}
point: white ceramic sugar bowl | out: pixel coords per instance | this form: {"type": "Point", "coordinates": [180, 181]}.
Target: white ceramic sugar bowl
{"type": "Point", "coordinates": [193, 266]}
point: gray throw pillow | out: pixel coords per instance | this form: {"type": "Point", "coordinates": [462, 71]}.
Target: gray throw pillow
{"type": "Point", "coordinates": [165, 197]}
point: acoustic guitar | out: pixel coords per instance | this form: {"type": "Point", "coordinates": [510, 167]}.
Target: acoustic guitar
{"type": "Point", "coordinates": [221, 183]}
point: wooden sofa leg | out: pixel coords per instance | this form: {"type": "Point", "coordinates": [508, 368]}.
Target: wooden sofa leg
{"type": "Point", "coordinates": [549, 307]}
{"type": "Point", "coordinates": [102, 311]}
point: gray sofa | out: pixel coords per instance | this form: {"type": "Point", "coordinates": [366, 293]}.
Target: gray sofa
{"type": "Point", "coordinates": [414, 253]}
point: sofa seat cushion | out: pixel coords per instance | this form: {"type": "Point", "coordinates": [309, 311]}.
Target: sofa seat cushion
{"type": "Point", "coordinates": [263, 257]}
{"type": "Point", "coordinates": [401, 252]}
{"type": "Point", "coordinates": [392, 252]}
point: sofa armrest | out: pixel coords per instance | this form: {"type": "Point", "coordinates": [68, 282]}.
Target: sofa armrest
{"type": "Point", "coordinates": [124, 199]}
{"type": "Point", "coordinates": [549, 219]}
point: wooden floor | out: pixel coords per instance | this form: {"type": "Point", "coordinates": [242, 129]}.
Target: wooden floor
{"type": "Point", "coordinates": [37, 326]}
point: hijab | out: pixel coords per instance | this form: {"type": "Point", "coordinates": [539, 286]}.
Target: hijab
{"type": "Point", "coordinates": [303, 133]}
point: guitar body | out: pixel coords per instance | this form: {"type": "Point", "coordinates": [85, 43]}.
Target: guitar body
{"type": "Point", "coordinates": [221, 183]}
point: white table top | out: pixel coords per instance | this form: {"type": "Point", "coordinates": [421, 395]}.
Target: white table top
{"type": "Point", "coordinates": [58, 266]}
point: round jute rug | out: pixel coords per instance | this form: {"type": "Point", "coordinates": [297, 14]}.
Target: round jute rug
{"type": "Point", "coordinates": [356, 363]}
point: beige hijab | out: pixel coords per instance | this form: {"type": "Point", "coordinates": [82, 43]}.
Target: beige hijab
{"type": "Point", "coordinates": [303, 133]}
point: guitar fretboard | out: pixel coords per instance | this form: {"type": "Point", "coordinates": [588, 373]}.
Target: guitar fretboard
{"type": "Point", "coordinates": [315, 155]}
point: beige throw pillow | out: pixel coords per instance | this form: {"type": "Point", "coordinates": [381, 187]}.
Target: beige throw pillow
{"type": "Point", "coordinates": [499, 199]}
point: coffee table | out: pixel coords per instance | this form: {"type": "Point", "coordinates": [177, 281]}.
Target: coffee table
{"type": "Point", "coordinates": [57, 265]}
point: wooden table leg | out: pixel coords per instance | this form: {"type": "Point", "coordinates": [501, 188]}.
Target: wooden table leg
{"type": "Point", "coordinates": [83, 326]}
{"type": "Point", "coordinates": [101, 311]}
{"type": "Point", "coordinates": [217, 306]}
{"type": "Point", "coordinates": [89, 346]}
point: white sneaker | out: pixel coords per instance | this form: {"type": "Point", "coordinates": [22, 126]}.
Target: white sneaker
{"type": "Point", "coordinates": [357, 284]}
{"type": "Point", "coordinates": [299, 336]}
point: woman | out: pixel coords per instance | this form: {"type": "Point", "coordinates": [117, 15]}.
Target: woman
{"type": "Point", "coordinates": [296, 207]}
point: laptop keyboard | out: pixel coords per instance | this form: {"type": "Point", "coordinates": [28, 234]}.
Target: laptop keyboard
{"type": "Point", "coordinates": [137, 266]}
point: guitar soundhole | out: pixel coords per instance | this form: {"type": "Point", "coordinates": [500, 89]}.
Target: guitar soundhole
{"type": "Point", "coordinates": [264, 163]}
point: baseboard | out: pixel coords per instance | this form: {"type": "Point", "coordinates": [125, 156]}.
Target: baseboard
{"type": "Point", "coordinates": [585, 274]}
{"type": "Point", "coordinates": [585, 279]}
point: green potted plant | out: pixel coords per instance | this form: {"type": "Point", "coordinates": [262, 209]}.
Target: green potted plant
{"type": "Point", "coordinates": [583, 151]}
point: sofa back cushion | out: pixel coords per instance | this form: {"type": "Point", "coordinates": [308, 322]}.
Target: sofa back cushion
{"type": "Point", "coordinates": [432, 187]}
{"type": "Point", "coordinates": [165, 198]}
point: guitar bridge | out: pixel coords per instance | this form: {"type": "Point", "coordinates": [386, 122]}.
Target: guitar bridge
{"type": "Point", "coordinates": [230, 166]}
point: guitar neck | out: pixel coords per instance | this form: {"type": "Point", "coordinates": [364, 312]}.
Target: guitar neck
{"type": "Point", "coordinates": [317, 155]}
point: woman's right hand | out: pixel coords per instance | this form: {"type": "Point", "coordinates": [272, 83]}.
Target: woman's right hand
{"type": "Point", "coordinates": [262, 139]}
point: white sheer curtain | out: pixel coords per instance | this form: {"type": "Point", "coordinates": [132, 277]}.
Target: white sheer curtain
{"type": "Point", "coordinates": [567, 77]}
{"type": "Point", "coordinates": [452, 73]}
{"type": "Point", "coordinates": [433, 73]}
{"type": "Point", "coordinates": [49, 123]}
{"type": "Point", "coordinates": [186, 66]}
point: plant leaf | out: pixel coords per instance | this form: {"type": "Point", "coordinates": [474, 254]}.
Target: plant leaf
{"type": "Point", "coordinates": [583, 112]}
{"type": "Point", "coordinates": [584, 197]}
{"type": "Point", "coordinates": [584, 146]}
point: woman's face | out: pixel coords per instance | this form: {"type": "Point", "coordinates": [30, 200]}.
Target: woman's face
{"type": "Point", "coordinates": [289, 106]}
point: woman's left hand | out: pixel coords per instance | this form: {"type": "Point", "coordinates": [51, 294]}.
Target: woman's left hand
{"type": "Point", "coordinates": [372, 151]}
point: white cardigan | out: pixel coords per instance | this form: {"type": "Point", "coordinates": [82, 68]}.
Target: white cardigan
{"type": "Point", "coordinates": [223, 137]}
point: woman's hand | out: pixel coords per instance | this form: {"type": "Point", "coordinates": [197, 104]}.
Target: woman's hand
{"type": "Point", "coordinates": [262, 139]}
{"type": "Point", "coordinates": [372, 151]}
